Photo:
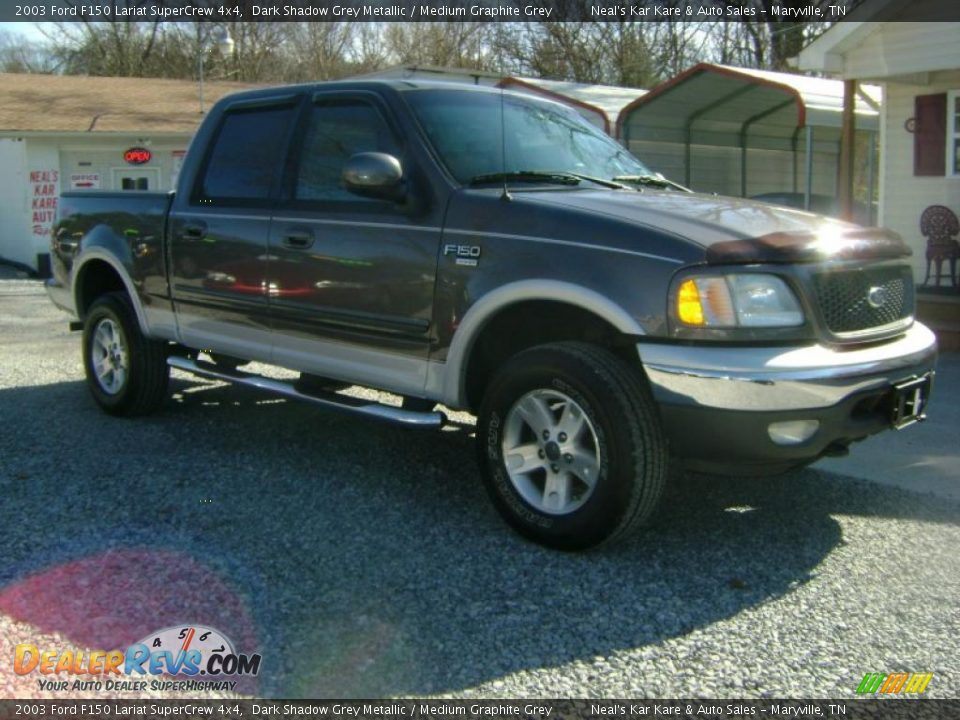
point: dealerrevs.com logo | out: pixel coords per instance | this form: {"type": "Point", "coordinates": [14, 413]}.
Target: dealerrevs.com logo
{"type": "Point", "coordinates": [204, 655]}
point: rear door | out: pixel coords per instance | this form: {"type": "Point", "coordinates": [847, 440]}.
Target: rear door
{"type": "Point", "coordinates": [219, 234]}
{"type": "Point", "coordinates": [351, 279]}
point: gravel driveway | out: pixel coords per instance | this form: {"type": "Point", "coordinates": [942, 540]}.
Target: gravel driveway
{"type": "Point", "coordinates": [362, 559]}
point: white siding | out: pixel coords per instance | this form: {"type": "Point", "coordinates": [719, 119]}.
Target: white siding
{"type": "Point", "coordinates": [904, 196]}
{"type": "Point", "coordinates": [15, 241]}
{"type": "Point", "coordinates": [43, 169]}
{"type": "Point", "coordinates": [103, 157]}
{"type": "Point", "coordinates": [25, 215]}
{"type": "Point", "coordinates": [901, 48]}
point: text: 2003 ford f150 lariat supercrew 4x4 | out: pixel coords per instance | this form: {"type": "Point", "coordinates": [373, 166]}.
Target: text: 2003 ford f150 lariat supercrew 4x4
{"type": "Point", "coordinates": [496, 253]}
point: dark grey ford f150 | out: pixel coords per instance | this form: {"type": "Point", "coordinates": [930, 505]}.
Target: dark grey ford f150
{"type": "Point", "coordinates": [495, 253]}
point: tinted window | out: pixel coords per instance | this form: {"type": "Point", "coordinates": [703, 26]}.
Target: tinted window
{"type": "Point", "coordinates": [479, 133]}
{"type": "Point", "coordinates": [338, 130]}
{"type": "Point", "coordinates": [245, 154]}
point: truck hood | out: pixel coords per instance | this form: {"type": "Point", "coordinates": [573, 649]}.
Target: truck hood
{"type": "Point", "coordinates": [734, 230]}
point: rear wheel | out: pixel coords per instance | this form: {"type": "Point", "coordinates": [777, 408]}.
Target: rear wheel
{"type": "Point", "coordinates": [570, 446]}
{"type": "Point", "coordinates": [127, 373]}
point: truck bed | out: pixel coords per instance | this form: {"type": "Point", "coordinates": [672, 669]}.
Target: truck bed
{"type": "Point", "coordinates": [128, 226]}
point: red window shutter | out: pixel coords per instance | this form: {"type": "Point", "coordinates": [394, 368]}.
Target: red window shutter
{"type": "Point", "coordinates": [930, 134]}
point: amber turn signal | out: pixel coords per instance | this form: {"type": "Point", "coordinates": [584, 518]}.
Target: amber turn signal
{"type": "Point", "coordinates": [689, 308]}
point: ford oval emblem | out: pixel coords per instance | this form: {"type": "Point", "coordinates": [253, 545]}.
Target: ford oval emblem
{"type": "Point", "coordinates": [877, 297]}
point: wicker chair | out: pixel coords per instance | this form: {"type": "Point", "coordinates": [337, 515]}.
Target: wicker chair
{"type": "Point", "coordinates": [939, 225]}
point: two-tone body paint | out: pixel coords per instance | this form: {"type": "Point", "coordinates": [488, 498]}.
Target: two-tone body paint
{"type": "Point", "coordinates": [532, 237]}
{"type": "Point", "coordinates": [125, 231]}
{"type": "Point", "coordinates": [374, 296]}
{"type": "Point", "coordinates": [367, 277]}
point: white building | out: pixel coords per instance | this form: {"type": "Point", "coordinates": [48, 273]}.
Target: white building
{"type": "Point", "coordinates": [61, 133]}
{"type": "Point", "coordinates": [918, 65]}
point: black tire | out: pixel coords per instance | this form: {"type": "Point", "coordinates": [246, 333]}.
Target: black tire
{"type": "Point", "coordinates": [623, 431]}
{"type": "Point", "coordinates": [142, 387]}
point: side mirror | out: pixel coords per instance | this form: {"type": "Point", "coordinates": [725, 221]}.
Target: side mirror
{"type": "Point", "coordinates": [374, 175]}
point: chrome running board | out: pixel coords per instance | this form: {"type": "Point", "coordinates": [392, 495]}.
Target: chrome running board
{"type": "Point", "coordinates": [331, 400]}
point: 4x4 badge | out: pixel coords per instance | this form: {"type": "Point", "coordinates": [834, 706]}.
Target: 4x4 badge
{"type": "Point", "coordinates": [468, 255]}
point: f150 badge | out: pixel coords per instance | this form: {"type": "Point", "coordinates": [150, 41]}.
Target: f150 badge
{"type": "Point", "coordinates": [465, 254]}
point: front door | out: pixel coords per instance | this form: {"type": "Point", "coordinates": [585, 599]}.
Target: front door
{"type": "Point", "coordinates": [351, 279]}
{"type": "Point", "coordinates": [219, 233]}
{"type": "Point", "coordinates": [136, 179]}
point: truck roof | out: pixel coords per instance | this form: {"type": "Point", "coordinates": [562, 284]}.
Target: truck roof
{"type": "Point", "coordinates": [398, 85]}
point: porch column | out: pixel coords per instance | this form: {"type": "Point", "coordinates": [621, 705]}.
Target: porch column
{"type": "Point", "coordinates": [845, 175]}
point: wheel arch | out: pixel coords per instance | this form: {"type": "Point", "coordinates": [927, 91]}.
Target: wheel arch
{"type": "Point", "coordinates": [97, 272]}
{"type": "Point", "coordinates": [573, 301]}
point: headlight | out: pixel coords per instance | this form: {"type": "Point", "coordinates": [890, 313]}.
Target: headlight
{"type": "Point", "coordinates": [737, 300]}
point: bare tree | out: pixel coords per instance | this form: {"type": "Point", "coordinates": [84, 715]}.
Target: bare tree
{"type": "Point", "coordinates": [629, 58]}
{"type": "Point", "coordinates": [106, 47]}
{"type": "Point", "coordinates": [451, 44]}
{"type": "Point", "coordinates": [586, 49]}
{"type": "Point", "coordinates": [574, 50]}
{"type": "Point", "coordinates": [319, 51]}
{"type": "Point", "coordinates": [775, 30]}
{"type": "Point", "coordinates": [19, 55]}
{"type": "Point", "coordinates": [636, 54]}
{"type": "Point", "coordinates": [369, 52]}
{"type": "Point", "coordinates": [258, 51]}
{"type": "Point", "coordinates": [675, 46]}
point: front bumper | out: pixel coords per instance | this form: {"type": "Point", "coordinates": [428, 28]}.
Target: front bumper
{"type": "Point", "coordinates": [717, 403]}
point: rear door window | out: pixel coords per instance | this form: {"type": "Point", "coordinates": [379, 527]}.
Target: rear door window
{"type": "Point", "coordinates": [243, 162]}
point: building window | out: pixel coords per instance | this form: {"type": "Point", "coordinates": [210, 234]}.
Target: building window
{"type": "Point", "coordinates": [953, 133]}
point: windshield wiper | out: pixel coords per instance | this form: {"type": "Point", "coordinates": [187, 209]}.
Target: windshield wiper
{"type": "Point", "coordinates": [600, 181]}
{"type": "Point", "coordinates": [524, 176]}
{"type": "Point", "coordinates": [657, 179]}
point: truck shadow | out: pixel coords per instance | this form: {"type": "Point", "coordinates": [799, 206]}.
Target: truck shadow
{"type": "Point", "coordinates": [361, 559]}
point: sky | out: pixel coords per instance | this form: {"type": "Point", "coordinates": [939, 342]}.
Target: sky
{"type": "Point", "coordinates": [26, 30]}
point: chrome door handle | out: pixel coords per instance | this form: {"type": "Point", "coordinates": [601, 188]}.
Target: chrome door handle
{"type": "Point", "coordinates": [298, 241]}
{"type": "Point", "coordinates": [194, 231]}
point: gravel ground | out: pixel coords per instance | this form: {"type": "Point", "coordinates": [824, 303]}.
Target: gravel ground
{"type": "Point", "coordinates": [362, 559]}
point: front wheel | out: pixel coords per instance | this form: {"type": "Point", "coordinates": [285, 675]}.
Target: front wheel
{"type": "Point", "coordinates": [571, 447]}
{"type": "Point", "coordinates": [127, 373]}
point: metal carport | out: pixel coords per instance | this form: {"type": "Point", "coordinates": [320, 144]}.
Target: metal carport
{"type": "Point", "coordinates": [742, 132]}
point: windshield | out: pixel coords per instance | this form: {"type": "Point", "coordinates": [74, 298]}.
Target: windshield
{"type": "Point", "coordinates": [465, 129]}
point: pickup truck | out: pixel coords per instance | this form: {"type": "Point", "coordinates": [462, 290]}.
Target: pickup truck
{"type": "Point", "coordinates": [495, 253]}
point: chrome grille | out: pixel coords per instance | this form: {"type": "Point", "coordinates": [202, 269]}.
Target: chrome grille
{"type": "Point", "coordinates": [856, 301]}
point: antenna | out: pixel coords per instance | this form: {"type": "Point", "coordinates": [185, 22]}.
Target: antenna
{"type": "Point", "coordinates": [505, 195]}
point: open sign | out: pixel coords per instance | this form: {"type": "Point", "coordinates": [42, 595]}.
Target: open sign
{"type": "Point", "coordinates": [137, 156]}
